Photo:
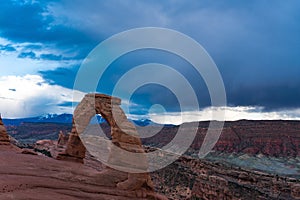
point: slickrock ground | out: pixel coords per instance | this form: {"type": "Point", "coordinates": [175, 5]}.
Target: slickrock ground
{"type": "Point", "coordinates": [190, 178]}
{"type": "Point", "coordinates": [35, 177]}
{"type": "Point", "coordinates": [25, 176]}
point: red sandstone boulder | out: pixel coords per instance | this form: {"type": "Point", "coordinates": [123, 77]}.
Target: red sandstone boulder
{"type": "Point", "coordinates": [29, 151]}
{"type": "Point", "coordinates": [296, 191]}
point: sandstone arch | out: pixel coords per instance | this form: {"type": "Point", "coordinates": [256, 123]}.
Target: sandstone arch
{"type": "Point", "coordinates": [123, 133]}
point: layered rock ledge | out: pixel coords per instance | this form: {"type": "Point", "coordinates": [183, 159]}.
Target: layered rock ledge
{"type": "Point", "coordinates": [35, 177]}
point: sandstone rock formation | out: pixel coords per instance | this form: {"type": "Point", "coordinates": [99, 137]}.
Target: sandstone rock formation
{"type": "Point", "coordinates": [75, 150]}
{"type": "Point", "coordinates": [296, 191]}
{"type": "Point", "coordinates": [29, 151]}
{"type": "Point", "coordinates": [62, 139]}
{"type": "Point", "coordinates": [276, 138]}
{"type": "Point", "coordinates": [36, 177]}
{"type": "Point", "coordinates": [4, 138]}
{"type": "Point", "coordinates": [124, 137]}
{"type": "Point", "coordinates": [208, 180]}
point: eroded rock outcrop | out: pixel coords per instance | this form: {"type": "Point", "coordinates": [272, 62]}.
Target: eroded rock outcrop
{"type": "Point", "coordinates": [274, 138]}
{"type": "Point", "coordinates": [210, 181]}
{"type": "Point", "coordinates": [75, 150]}
{"type": "Point", "coordinates": [296, 191]}
{"type": "Point", "coordinates": [4, 138]}
{"type": "Point", "coordinates": [124, 139]}
{"type": "Point", "coordinates": [38, 177]}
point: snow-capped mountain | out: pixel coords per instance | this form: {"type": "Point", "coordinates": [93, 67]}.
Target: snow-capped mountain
{"type": "Point", "coordinates": [67, 119]}
{"type": "Point", "coordinates": [48, 118]}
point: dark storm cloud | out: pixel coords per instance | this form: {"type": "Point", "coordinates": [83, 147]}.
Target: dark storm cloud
{"type": "Point", "coordinates": [22, 21]}
{"type": "Point", "coordinates": [55, 57]}
{"type": "Point", "coordinates": [255, 44]}
{"type": "Point", "coordinates": [33, 47]}
{"type": "Point", "coordinates": [29, 54]}
{"type": "Point", "coordinates": [271, 97]}
{"type": "Point", "coordinates": [61, 76]}
{"type": "Point", "coordinates": [51, 57]}
{"type": "Point", "coordinates": [7, 47]}
{"type": "Point", "coordinates": [66, 104]}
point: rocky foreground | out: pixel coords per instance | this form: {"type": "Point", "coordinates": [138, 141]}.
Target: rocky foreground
{"type": "Point", "coordinates": [190, 178]}
{"type": "Point", "coordinates": [27, 176]}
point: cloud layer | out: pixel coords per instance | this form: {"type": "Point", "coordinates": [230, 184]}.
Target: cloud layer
{"type": "Point", "coordinates": [255, 45]}
{"type": "Point", "coordinates": [31, 95]}
{"type": "Point", "coordinates": [231, 114]}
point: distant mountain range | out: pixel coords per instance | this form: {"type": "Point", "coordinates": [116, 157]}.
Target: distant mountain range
{"type": "Point", "coordinates": [66, 119]}
{"type": "Point", "coordinates": [48, 118]}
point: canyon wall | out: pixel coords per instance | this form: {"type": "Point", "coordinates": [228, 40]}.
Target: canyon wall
{"type": "Point", "coordinates": [190, 178]}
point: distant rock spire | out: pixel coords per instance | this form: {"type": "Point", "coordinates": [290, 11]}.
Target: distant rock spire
{"type": "Point", "coordinates": [1, 122]}
{"type": "Point", "coordinates": [4, 139]}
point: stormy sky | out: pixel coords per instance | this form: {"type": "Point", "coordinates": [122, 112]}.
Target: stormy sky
{"type": "Point", "coordinates": [255, 45]}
